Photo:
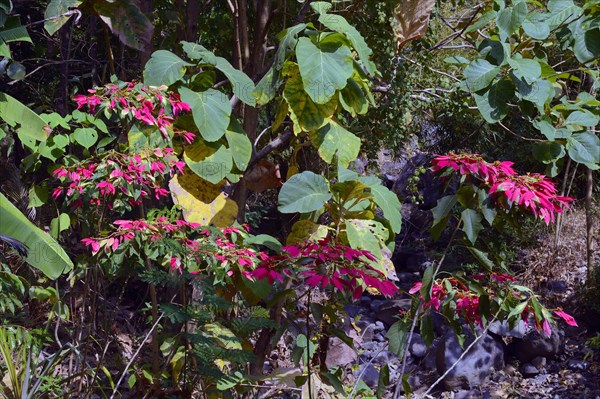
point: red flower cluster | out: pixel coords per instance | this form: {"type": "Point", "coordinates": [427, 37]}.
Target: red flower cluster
{"type": "Point", "coordinates": [132, 176]}
{"type": "Point", "coordinates": [152, 106]}
{"type": "Point", "coordinates": [326, 264]}
{"type": "Point", "coordinates": [532, 192]}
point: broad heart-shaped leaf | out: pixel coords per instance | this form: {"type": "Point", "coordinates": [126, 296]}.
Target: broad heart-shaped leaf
{"type": "Point", "coordinates": [471, 224]}
{"type": "Point", "coordinates": [44, 253]}
{"type": "Point", "coordinates": [585, 148]}
{"type": "Point", "coordinates": [493, 104]}
{"type": "Point", "coordinates": [337, 23]}
{"type": "Point", "coordinates": [389, 204]}
{"type": "Point", "coordinates": [202, 202]}
{"type": "Point", "coordinates": [525, 68]}
{"type": "Point", "coordinates": [535, 26]}
{"type": "Point", "coordinates": [362, 234]}
{"type": "Point", "coordinates": [511, 18]}
{"type": "Point", "coordinates": [443, 208]}
{"type": "Point", "coordinates": [54, 14]}
{"type": "Point", "coordinates": [164, 68]}
{"type": "Point", "coordinates": [211, 110]}
{"type": "Point", "coordinates": [239, 144]}
{"type": "Point", "coordinates": [324, 69]}
{"type": "Point", "coordinates": [480, 74]}
{"type": "Point", "coordinates": [87, 137]}
{"type": "Point", "coordinates": [333, 140]}
{"type": "Point", "coordinates": [306, 230]}
{"type": "Point", "coordinates": [212, 162]}
{"type": "Point", "coordinates": [411, 18]}
{"type": "Point", "coordinates": [397, 337]}
{"type": "Point", "coordinates": [13, 31]}
{"type": "Point", "coordinates": [266, 89]}
{"type": "Point", "coordinates": [548, 151]}
{"type": "Point", "coordinates": [288, 39]}
{"type": "Point", "coordinates": [20, 117]}
{"type": "Point", "coordinates": [59, 224]}
{"type": "Point", "coordinates": [562, 12]}
{"type": "Point", "coordinates": [587, 44]}
{"type": "Point", "coordinates": [540, 92]}
{"type": "Point", "coordinates": [305, 113]}
{"type": "Point", "coordinates": [304, 192]}
{"type": "Point", "coordinates": [242, 85]}
{"type": "Point", "coordinates": [127, 21]}
{"type": "Point", "coordinates": [353, 98]}
{"type": "Point", "coordinates": [582, 118]}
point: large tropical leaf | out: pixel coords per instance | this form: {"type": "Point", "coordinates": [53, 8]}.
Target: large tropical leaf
{"type": "Point", "coordinates": [324, 69]}
{"type": "Point", "coordinates": [22, 118]}
{"type": "Point", "coordinates": [55, 14]}
{"type": "Point", "coordinates": [164, 68]}
{"type": "Point", "coordinates": [211, 110]}
{"type": "Point", "coordinates": [210, 161]}
{"type": "Point", "coordinates": [333, 140]}
{"type": "Point", "coordinates": [304, 192]}
{"type": "Point", "coordinates": [44, 253]}
{"type": "Point", "coordinates": [127, 21]}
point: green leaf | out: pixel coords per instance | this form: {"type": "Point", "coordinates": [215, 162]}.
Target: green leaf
{"type": "Point", "coordinates": [389, 203]}
{"type": "Point", "coordinates": [582, 118]}
{"type": "Point", "coordinates": [480, 74]}
{"type": "Point", "coordinates": [540, 92]}
{"type": "Point", "coordinates": [59, 224]}
{"type": "Point", "coordinates": [16, 71]}
{"type": "Point", "coordinates": [87, 137]}
{"type": "Point", "coordinates": [13, 31]}
{"type": "Point", "coordinates": [535, 26]}
{"type": "Point", "coordinates": [164, 68]}
{"type": "Point", "coordinates": [482, 258]}
{"type": "Point", "coordinates": [22, 118]}
{"type": "Point", "coordinates": [210, 161]}
{"type": "Point", "coordinates": [44, 253]}
{"type": "Point", "coordinates": [365, 234]}
{"type": "Point", "coordinates": [333, 140]}
{"type": "Point", "coordinates": [383, 381]}
{"type": "Point", "coordinates": [353, 99]}
{"type": "Point", "coordinates": [510, 19]}
{"type": "Point", "coordinates": [443, 208]}
{"type": "Point", "coordinates": [211, 110]}
{"type": "Point", "coordinates": [337, 23]}
{"type": "Point", "coordinates": [397, 337]}
{"type": "Point", "coordinates": [456, 59]}
{"type": "Point", "coordinates": [288, 43]}
{"type": "Point", "coordinates": [54, 14]}
{"type": "Point", "coordinates": [525, 68]}
{"type": "Point", "coordinates": [427, 330]}
{"type": "Point", "coordinates": [561, 12]}
{"type": "Point", "coordinates": [548, 151]}
{"type": "Point", "coordinates": [471, 224]}
{"type": "Point", "coordinates": [323, 69]}
{"type": "Point", "coordinates": [38, 196]}
{"type": "Point", "coordinates": [482, 21]}
{"type": "Point", "coordinates": [125, 20]}
{"type": "Point", "coordinates": [587, 44]}
{"type": "Point", "coordinates": [585, 148]}
{"type": "Point", "coordinates": [266, 88]}
{"type": "Point", "coordinates": [493, 104]}
{"type": "Point", "coordinates": [306, 114]}
{"type": "Point", "coordinates": [239, 144]}
{"type": "Point", "coordinates": [242, 85]}
{"type": "Point", "coordinates": [304, 192]}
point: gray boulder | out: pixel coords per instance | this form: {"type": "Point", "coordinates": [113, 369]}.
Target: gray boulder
{"type": "Point", "coordinates": [477, 365]}
{"type": "Point", "coordinates": [533, 344]}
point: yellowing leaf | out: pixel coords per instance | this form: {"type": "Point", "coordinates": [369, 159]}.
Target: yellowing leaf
{"type": "Point", "coordinates": [304, 230]}
{"type": "Point", "coordinates": [202, 201]}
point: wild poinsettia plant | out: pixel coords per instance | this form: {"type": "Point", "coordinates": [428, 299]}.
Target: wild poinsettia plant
{"type": "Point", "coordinates": [149, 105]}
{"type": "Point", "coordinates": [530, 192]}
{"type": "Point", "coordinates": [480, 298]}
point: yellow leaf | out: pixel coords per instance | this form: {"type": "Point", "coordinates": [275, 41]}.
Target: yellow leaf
{"type": "Point", "coordinates": [304, 230]}
{"type": "Point", "coordinates": [202, 202]}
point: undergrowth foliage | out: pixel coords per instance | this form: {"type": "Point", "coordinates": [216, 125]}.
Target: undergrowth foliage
{"type": "Point", "coordinates": [147, 180]}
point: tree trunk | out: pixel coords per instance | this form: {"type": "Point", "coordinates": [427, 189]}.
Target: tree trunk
{"type": "Point", "coordinates": [589, 221]}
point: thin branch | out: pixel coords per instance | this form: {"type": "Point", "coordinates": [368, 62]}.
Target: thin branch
{"type": "Point", "coordinates": [517, 135]}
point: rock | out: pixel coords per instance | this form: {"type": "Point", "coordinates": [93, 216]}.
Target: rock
{"type": "Point", "coordinates": [528, 370]}
{"type": "Point", "coordinates": [503, 329]}
{"type": "Point", "coordinates": [339, 354]}
{"type": "Point", "coordinates": [576, 364]}
{"type": "Point", "coordinates": [467, 394]}
{"type": "Point", "coordinates": [417, 347]}
{"type": "Point", "coordinates": [534, 344]}
{"type": "Point", "coordinates": [369, 374]}
{"type": "Point", "coordinates": [557, 286]}
{"type": "Point", "coordinates": [475, 367]}
{"type": "Point", "coordinates": [389, 310]}
{"type": "Point", "coordinates": [539, 362]}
